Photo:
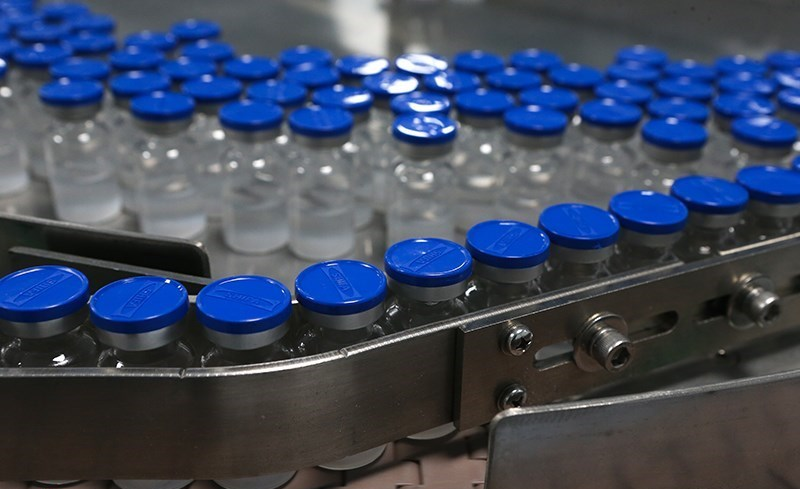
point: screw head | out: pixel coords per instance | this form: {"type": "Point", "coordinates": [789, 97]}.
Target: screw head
{"type": "Point", "coordinates": [513, 396]}
{"type": "Point", "coordinates": [517, 340]}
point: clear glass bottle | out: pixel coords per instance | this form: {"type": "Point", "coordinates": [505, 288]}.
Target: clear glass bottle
{"type": "Point", "coordinates": [478, 62]}
{"type": "Point", "coordinates": [582, 241]}
{"type": "Point", "coordinates": [133, 58]}
{"type": "Point", "coordinates": [217, 52]}
{"type": "Point", "coordinates": [183, 69]}
{"type": "Point", "coordinates": [313, 77]}
{"type": "Point", "coordinates": [650, 224]}
{"type": "Point", "coordinates": [773, 209]}
{"type": "Point", "coordinates": [287, 95]}
{"type": "Point", "coordinates": [43, 309]}
{"type": "Point", "coordinates": [579, 78]}
{"type": "Point", "coordinates": [762, 140]}
{"type": "Point", "coordinates": [167, 199]}
{"type": "Point", "coordinates": [478, 154]}
{"type": "Point", "coordinates": [625, 92]}
{"type": "Point", "coordinates": [715, 206]}
{"type": "Point", "coordinates": [321, 201]}
{"type": "Point", "coordinates": [78, 153]}
{"type": "Point", "coordinates": [513, 81]}
{"type": "Point", "coordinates": [508, 257]}
{"type": "Point", "coordinates": [13, 174]}
{"type": "Point", "coordinates": [420, 103]}
{"type": "Point", "coordinates": [420, 200]}
{"type": "Point", "coordinates": [678, 108]}
{"type": "Point", "coordinates": [254, 193]}
{"type": "Point", "coordinates": [250, 69]}
{"type": "Point", "coordinates": [354, 68]}
{"type": "Point", "coordinates": [535, 174]}
{"type": "Point", "coordinates": [633, 72]}
{"type": "Point", "coordinates": [193, 30]}
{"type": "Point", "coordinates": [689, 69]}
{"type": "Point", "coordinates": [89, 45]}
{"type": "Point", "coordinates": [686, 88]}
{"type": "Point", "coordinates": [77, 68]}
{"type": "Point", "coordinates": [671, 148]}
{"type": "Point", "coordinates": [341, 301]}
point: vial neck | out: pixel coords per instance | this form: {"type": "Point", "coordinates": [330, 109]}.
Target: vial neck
{"type": "Point", "coordinates": [345, 337]}
{"type": "Point", "coordinates": [509, 291]}
{"type": "Point", "coordinates": [605, 134]}
{"type": "Point", "coordinates": [46, 345]}
{"type": "Point", "coordinates": [534, 142]}
{"type": "Point", "coordinates": [639, 252]}
{"type": "Point", "coordinates": [758, 153]}
{"type": "Point", "coordinates": [424, 152]}
{"type": "Point", "coordinates": [146, 357]}
{"type": "Point", "coordinates": [427, 307]}
{"type": "Point", "coordinates": [667, 156]}
{"type": "Point", "coordinates": [246, 357]}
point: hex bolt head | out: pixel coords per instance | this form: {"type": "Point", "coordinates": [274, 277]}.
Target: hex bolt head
{"type": "Point", "coordinates": [513, 396]}
{"type": "Point", "coordinates": [754, 303]}
{"type": "Point", "coordinates": [603, 344]}
{"type": "Point", "coordinates": [516, 339]}
{"type": "Point", "coordinates": [761, 306]}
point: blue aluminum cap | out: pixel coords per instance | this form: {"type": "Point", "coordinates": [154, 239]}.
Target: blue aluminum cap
{"type": "Point", "coordinates": [709, 195]}
{"type": "Point", "coordinates": [354, 100]}
{"type": "Point", "coordinates": [739, 63]}
{"type": "Point", "coordinates": [244, 304]}
{"type": "Point", "coordinates": [633, 72]}
{"type": "Point", "coordinates": [42, 33]}
{"type": "Point", "coordinates": [610, 113]}
{"type": "Point", "coordinates": [735, 106]}
{"type": "Point", "coordinates": [320, 122]}
{"type": "Point", "coordinates": [283, 93]}
{"type": "Point", "coordinates": [88, 43]}
{"type": "Point", "coordinates": [195, 29]}
{"type": "Point", "coordinates": [41, 56]}
{"type": "Point", "coordinates": [789, 99]}
{"type": "Point", "coordinates": [507, 244]}
{"type": "Point", "coordinates": [747, 83]}
{"type": "Point", "coordinates": [579, 226]}
{"type": "Point", "coordinates": [484, 103]}
{"type": "Point", "coordinates": [81, 69]}
{"type": "Point", "coordinates": [138, 305]}
{"type": "Point", "coordinates": [21, 19]}
{"type": "Point", "coordinates": [157, 41]}
{"type": "Point", "coordinates": [71, 93]}
{"type": "Point", "coordinates": [211, 89]}
{"type": "Point", "coordinates": [624, 92]}
{"type": "Point", "coordinates": [788, 79]}
{"type": "Point", "coordinates": [783, 60]}
{"type": "Point", "coordinates": [535, 121]}
{"type": "Point", "coordinates": [688, 68]}
{"type": "Point", "coordinates": [249, 68]}
{"type": "Point", "coordinates": [424, 129]}
{"type": "Point", "coordinates": [135, 83]}
{"type": "Point", "coordinates": [7, 48]}
{"type": "Point", "coordinates": [532, 59]}
{"type": "Point", "coordinates": [685, 88]}
{"type": "Point", "coordinates": [796, 163]}
{"type": "Point", "coordinates": [3, 68]}
{"type": "Point", "coordinates": [313, 77]}
{"type": "Point", "coordinates": [678, 108]}
{"type": "Point", "coordinates": [428, 262]}
{"type": "Point", "coordinates": [640, 53]}
{"type": "Point", "coordinates": [303, 54]}
{"type": "Point", "coordinates": [42, 293]}
{"type": "Point", "coordinates": [576, 76]}
{"type": "Point", "coordinates": [5, 29]}
{"type": "Point", "coordinates": [94, 23]}
{"type": "Point", "coordinates": [340, 287]}
{"type": "Point", "coordinates": [421, 103]}
{"type": "Point", "coordinates": [451, 82]}
{"type": "Point", "coordinates": [648, 212]}
{"type": "Point", "coordinates": [674, 134]}
{"type": "Point", "coordinates": [60, 11]}
{"type": "Point", "coordinates": [420, 64]}
{"type": "Point", "coordinates": [249, 116]}
{"type": "Point", "coordinates": [357, 66]}
{"type": "Point", "coordinates": [133, 58]}
{"type": "Point", "coordinates": [388, 84]}
{"type": "Point", "coordinates": [214, 51]}
{"type": "Point", "coordinates": [764, 131]}
{"type": "Point", "coordinates": [770, 184]}
{"type": "Point", "coordinates": [183, 69]}
{"type": "Point", "coordinates": [549, 97]}
{"type": "Point", "coordinates": [478, 62]}
{"type": "Point", "coordinates": [162, 107]}
{"type": "Point", "coordinates": [513, 80]}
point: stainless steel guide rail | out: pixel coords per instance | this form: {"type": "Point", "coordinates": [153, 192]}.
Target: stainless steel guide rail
{"type": "Point", "coordinates": [245, 421]}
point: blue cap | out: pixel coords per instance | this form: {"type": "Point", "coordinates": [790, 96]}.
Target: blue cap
{"type": "Point", "coordinates": [478, 62]}
{"type": "Point", "coordinates": [549, 97]}
{"type": "Point", "coordinates": [483, 103]}
{"type": "Point", "coordinates": [633, 72]}
{"type": "Point", "coordinates": [428, 262]}
{"type": "Point", "coordinates": [451, 82]}
{"type": "Point", "coordinates": [210, 89]}
{"type": "Point", "coordinates": [215, 51]}
{"type": "Point", "coordinates": [138, 305]}
{"type": "Point", "coordinates": [388, 84]}
{"type": "Point", "coordinates": [283, 93]}
{"type": "Point", "coordinates": [789, 99]}
{"type": "Point", "coordinates": [320, 122]}
{"type": "Point", "coordinates": [648, 212]}
{"type": "Point", "coordinates": [42, 293]}
{"type": "Point", "coordinates": [640, 53]}
{"type": "Point", "coordinates": [94, 23]}
{"type": "Point", "coordinates": [41, 56]}
{"type": "Point", "coordinates": [535, 121]}
{"type": "Point", "coordinates": [300, 55]}
{"type": "Point", "coordinates": [507, 244]}
{"type": "Point", "coordinates": [357, 66]}
{"type": "Point", "coordinates": [312, 76]}
{"type": "Point", "coordinates": [20, 19]}
{"type": "Point", "coordinates": [685, 88]}
{"type": "Point", "coordinates": [60, 11]}
{"type": "Point", "coordinates": [678, 108]}
{"type": "Point", "coordinates": [424, 129]}
{"type": "Point", "coordinates": [42, 33]}
{"type": "Point", "coordinates": [579, 226]}
{"type": "Point", "coordinates": [135, 83]}
{"type": "Point", "coordinates": [183, 69]}
{"type": "Point", "coordinates": [783, 60]}
{"type": "Point", "coordinates": [249, 68]}
{"type": "Point", "coordinates": [688, 68]}
{"type": "Point", "coordinates": [3, 68]}
{"type": "Point", "coordinates": [134, 58]}
{"type": "Point", "coordinates": [764, 131]}
{"type": "Point", "coordinates": [81, 69]}
{"type": "Point", "coordinates": [576, 76]}
{"type": "Point", "coordinates": [7, 48]}
{"type": "Point", "coordinates": [788, 79]}
{"type": "Point", "coordinates": [796, 163]}
{"type": "Point", "coordinates": [421, 103]}
{"type": "Point", "coordinates": [162, 107]}
{"type": "Point", "coordinates": [195, 29]}
{"type": "Point", "coordinates": [610, 113]}
{"type": "Point", "coordinates": [747, 83]}
{"type": "Point", "coordinates": [249, 116]}
{"type": "Point", "coordinates": [625, 92]}
{"type": "Point", "coordinates": [88, 43]}
{"type": "Point", "coordinates": [709, 195]}
{"type": "Point", "coordinates": [5, 29]}
{"type": "Point", "coordinates": [532, 59]}
{"type": "Point", "coordinates": [770, 184]}
{"type": "Point", "coordinates": [420, 64]}
{"type": "Point", "coordinates": [354, 100]}
{"type": "Point", "coordinates": [340, 287]}
{"type": "Point", "coordinates": [243, 304]}
{"type": "Point", "coordinates": [158, 41]}
{"type": "Point", "coordinates": [739, 63]}
{"type": "Point", "coordinates": [734, 106]}
{"type": "Point", "coordinates": [513, 80]}
{"type": "Point", "coordinates": [71, 93]}
{"type": "Point", "coordinates": [674, 134]}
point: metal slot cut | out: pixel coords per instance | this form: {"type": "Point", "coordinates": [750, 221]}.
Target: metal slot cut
{"type": "Point", "coordinates": [553, 355]}
{"type": "Point", "coordinates": [654, 326]}
{"type": "Point", "coordinates": [712, 309]}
